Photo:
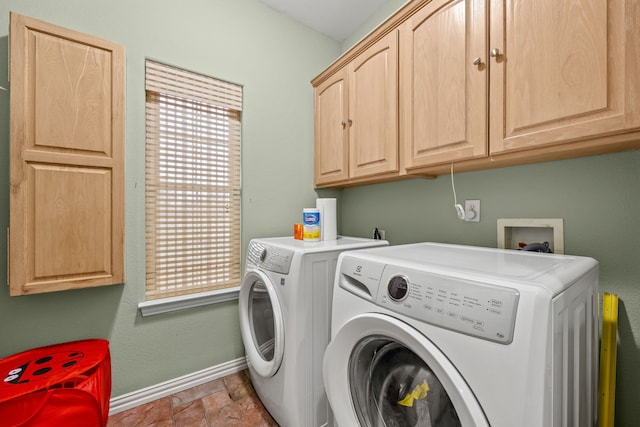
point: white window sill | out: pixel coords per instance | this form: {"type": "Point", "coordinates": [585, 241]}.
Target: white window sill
{"type": "Point", "coordinates": [167, 305]}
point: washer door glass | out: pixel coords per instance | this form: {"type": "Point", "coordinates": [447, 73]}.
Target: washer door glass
{"type": "Point", "coordinates": [261, 318]}
{"type": "Point", "coordinates": [261, 323]}
{"type": "Point", "coordinates": [392, 386]}
{"type": "Point", "coordinates": [381, 371]}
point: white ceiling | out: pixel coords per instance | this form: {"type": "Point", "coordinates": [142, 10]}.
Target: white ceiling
{"type": "Point", "coordinates": [337, 19]}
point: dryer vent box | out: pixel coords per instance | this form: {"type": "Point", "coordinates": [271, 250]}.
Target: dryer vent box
{"type": "Point", "coordinates": [512, 232]}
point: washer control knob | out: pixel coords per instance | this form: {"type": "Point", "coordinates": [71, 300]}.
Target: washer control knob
{"type": "Point", "coordinates": [263, 255]}
{"type": "Point", "coordinates": [398, 288]}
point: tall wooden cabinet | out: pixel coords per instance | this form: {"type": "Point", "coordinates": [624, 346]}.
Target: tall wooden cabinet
{"type": "Point", "coordinates": [67, 159]}
{"type": "Point", "coordinates": [356, 117]}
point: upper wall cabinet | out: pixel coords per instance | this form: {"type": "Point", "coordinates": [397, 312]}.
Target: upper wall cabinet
{"type": "Point", "coordinates": [558, 76]}
{"type": "Point", "coordinates": [443, 83]}
{"type": "Point", "coordinates": [373, 109]}
{"type": "Point", "coordinates": [499, 83]}
{"type": "Point", "coordinates": [561, 71]}
{"type": "Point", "coordinates": [356, 117]}
{"type": "Point", "coordinates": [331, 148]}
{"type": "Point", "coordinates": [67, 165]}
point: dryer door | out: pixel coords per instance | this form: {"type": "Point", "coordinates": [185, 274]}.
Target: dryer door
{"type": "Point", "coordinates": [379, 371]}
{"type": "Point", "coordinates": [261, 323]}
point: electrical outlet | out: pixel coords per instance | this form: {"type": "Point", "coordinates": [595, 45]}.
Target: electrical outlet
{"type": "Point", "coordinates": [472, 210]}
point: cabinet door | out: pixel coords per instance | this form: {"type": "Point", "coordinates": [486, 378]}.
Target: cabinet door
{"type": "Point", "coordinates": [331, 148]}
{"type": "Point", "coordinates": [373, 109]}
{"type": "Point", "coordinates": [67, 137]}
{"type": "Point", "coordinates": [443, 94]}
{"type": "Point", "coordinates": [565, 70]}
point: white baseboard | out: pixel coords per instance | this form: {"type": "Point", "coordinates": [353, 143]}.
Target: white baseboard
{"type": "Point", "coordinates": [167, 388]}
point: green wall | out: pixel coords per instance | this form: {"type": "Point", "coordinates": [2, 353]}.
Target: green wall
{"type": "Point", "coordinates": [242, 41]}
{"type": "Point", "coordinates": [375, 19]}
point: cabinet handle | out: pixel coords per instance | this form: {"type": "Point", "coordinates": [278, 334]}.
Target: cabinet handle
{"type": "Point", "coordinates": [495, 53]}
{"type": "Point", "coordinates": [477, 61]}
{"type": "Point", "coordinates": [350, 122]}
{"type": "Point", "coordinates": [343, 124]}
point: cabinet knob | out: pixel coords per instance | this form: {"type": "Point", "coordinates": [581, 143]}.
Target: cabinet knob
{"type": "Point", "coordinates": [495, 53]}
{"type": "Point", "coordinates": [477, 60]}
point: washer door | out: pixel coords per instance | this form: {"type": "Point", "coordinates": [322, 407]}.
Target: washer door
{"type": "Point", "coordinates": [261, 323]}
{"type": "Point", "coordinates": [379, 371]}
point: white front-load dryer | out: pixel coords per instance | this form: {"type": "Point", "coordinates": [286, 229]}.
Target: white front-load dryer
{"type": "Point", "coordinates": [442, 335]}
{"type": "Point", "coordinates": [284, 304]}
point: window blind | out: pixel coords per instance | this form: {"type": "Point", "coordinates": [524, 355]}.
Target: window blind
{"type": "Point", "coordinates": [192, 182]}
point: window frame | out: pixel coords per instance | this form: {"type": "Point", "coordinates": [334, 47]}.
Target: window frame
{"type": "Point", "coordinates": [186, 97]}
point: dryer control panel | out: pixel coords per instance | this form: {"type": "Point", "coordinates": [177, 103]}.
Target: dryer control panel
{"type": "Point", "coordinates": [269, 258]}
{"type": "Point", "coordinates": [479, 309]}
{"type": "Point", "coordinates": [460, 304]}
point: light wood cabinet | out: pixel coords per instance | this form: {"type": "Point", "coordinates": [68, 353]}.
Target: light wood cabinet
{"type": "Point", "coordinates": [564, 71]}
{"type": "Point", "coordinates": [67, 164]}
{"type": "Point", "coordinates": [486, 84]}
{"type": "Point", "coordinates": [331, 148]}
{"type": "Point", "coordinates": [373, 109]}
{"type": "Point", "coordinates": [356, 117]}
{"type": "Point", "coordinates": [545, 80]}
{"type": "Point", "coordinates": [443, 93]}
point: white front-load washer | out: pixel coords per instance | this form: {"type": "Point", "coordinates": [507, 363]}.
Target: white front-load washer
{"type": "Point", "coordinates": [284, 304]}
{"type": "Point", "coordinates": [442, 335]}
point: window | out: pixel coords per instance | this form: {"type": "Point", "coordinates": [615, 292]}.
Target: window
{"type": "Point", "coordinates": [192, 182]}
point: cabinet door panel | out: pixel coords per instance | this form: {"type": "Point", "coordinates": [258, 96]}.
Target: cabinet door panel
{"type": "Point", "coordinates": [373, 109]}
{"type": "Point", "coordinates": [443, 94]}
{"type": "Point", "coordinates": [556, 68]}
{"type": "Point", "coordinates": [71, 89]}
{"type": "Point", "coordinates": [70, 221]}
{"type": "Point", "coordinates": [331, 156]}
{"type": "Point", "coordinates": [560, 74]}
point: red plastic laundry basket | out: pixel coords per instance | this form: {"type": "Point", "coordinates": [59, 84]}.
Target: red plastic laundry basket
{"type": "Point", "coordinates": [59, 385]}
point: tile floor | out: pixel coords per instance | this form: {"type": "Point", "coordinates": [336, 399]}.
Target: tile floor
{"type": "Point", "coordinates": [230, 401]}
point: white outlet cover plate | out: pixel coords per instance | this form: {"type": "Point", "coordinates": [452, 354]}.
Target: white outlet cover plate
{"type": "Point", "coordinates": [472, 210]}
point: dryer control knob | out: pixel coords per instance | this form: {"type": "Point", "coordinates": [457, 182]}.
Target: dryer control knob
{"type": "Point", "coordinates": [263, 255]}
{"type": "Point", "coordinates": [398, 287]}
